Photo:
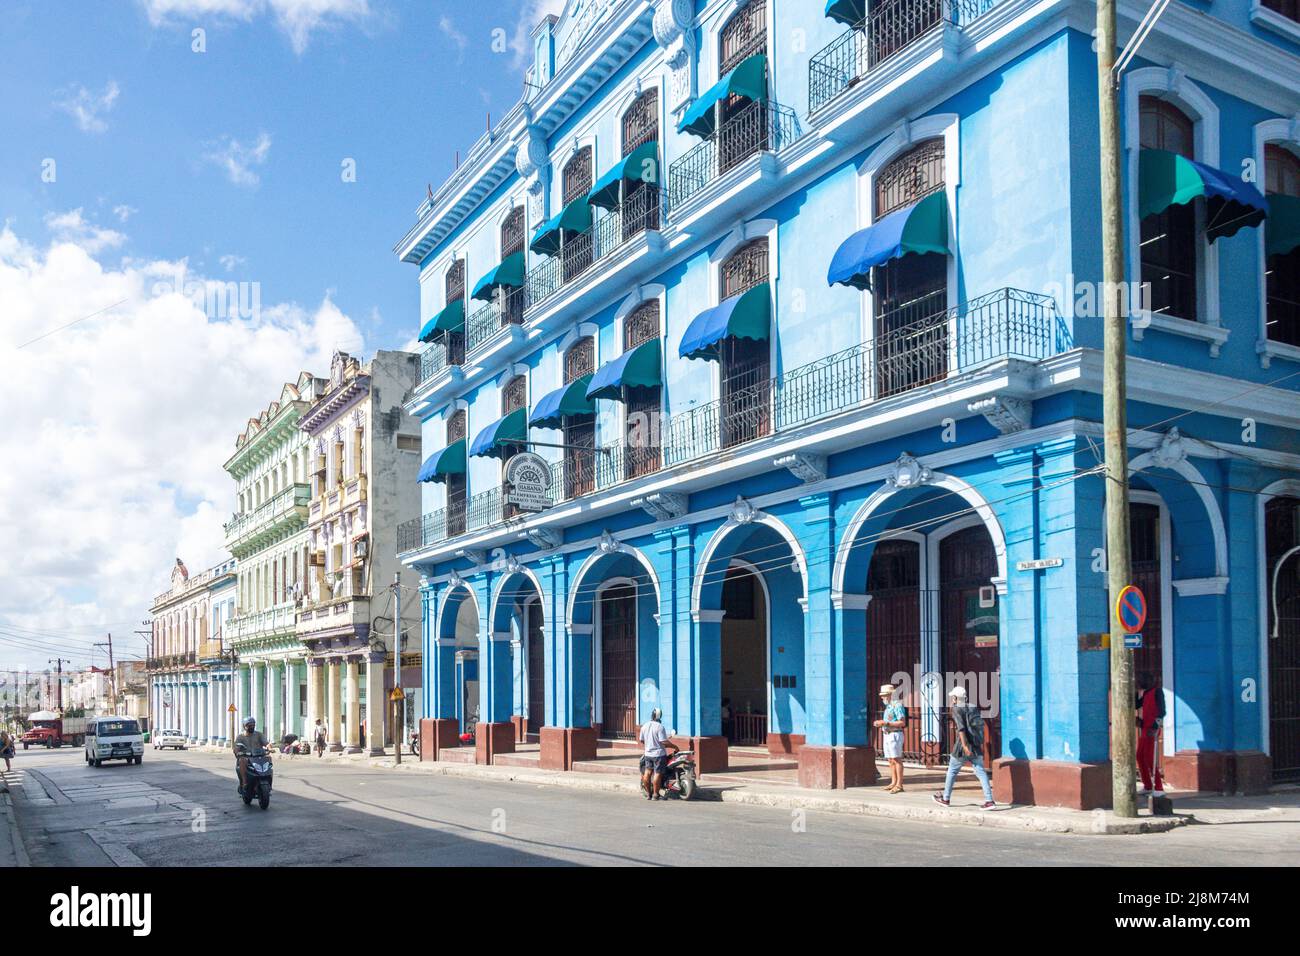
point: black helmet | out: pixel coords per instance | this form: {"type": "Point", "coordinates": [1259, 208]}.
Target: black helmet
{"type": "Point", "coordinates": [250, 723]}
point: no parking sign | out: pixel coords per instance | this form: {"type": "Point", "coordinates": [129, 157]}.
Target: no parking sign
{"type": "Point", "coordinates": [1131, 609]}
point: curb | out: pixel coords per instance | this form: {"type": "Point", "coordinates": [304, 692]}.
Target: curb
{"type": "Point", "coordinates": [1097, 822]}
{"type": "Point", "coordinates": [10, 824]}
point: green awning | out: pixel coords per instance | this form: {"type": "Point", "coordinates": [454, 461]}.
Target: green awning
{"type": "Point", "coordinates": [638, 368]}
{"type": "Point", "coordinates": [916, 229]}
{"type": "Point", "coordinates": [568, 399]}
{"type": "Point", "coordinates": [510, 430]}
{"type": "Point", "coordinates": [573, 219]}
{"type": "Point", "coordinates": [749, 79]}
{"type": "Point", "coordinates": [1168, 179]}
{"type": "Point", "coordinates": [448, 461]}
{"type": "Point", "coordinates": [1282, 233]}
{"type": "Point", "coordinates": [848, 12]}
{"type": "Point", "coordinates": [640, 165]}
{"type": "Point", "coordinates": [450, 319]}
{"type": "Point", "coordinates": [746, 315]}
{"type": "Point", "coordinates": [509, 273]}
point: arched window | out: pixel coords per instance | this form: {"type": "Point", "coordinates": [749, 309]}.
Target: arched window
{"type": "Point", "coordinates": [744, 35]}
{"type": "Point", "coordinates": [454, 286]}
{"type": "Point", "coordinates": [744, 364]}
{"type": "Point", "coordinates": [512, 241]}
{"type": "Point", "coordinates": [910, 294]}
{"type": "Point", "coordinates": [576, 254]}
{"type": "Point", "coordinates": [1169, 239]}
{"type": "Point", "coordinates": [457, 496]}
{"type": "Point", "coordinates": [1282, 271]}
{"type": "Point", "coordinates": [579, 430]}
{"type": "Point", "coordinates": [640, 208]}
{"type": "Point", "coordinates": [643, 405]}
{"type": "Point", "coordinates": [513, 397]}
{"type": "Point", "coordinates": [743, 126]}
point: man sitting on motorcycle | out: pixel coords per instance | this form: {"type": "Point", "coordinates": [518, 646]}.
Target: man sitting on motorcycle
{"type": "Point", "coordinates": [249, 742]}
{"type": "Point", "coordinates": [655, 759]}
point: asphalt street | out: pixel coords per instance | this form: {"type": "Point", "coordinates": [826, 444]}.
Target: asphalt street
{"type": "Point", "coordinates": [181, 809]}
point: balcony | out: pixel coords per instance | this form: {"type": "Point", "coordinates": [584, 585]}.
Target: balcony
{"type": "Point", "coordinates": [756, 129]}
{"type": "Point", "coordinates": [347, 493]}
{"type": "Point", "coordinates": [276, 621]}
{"type": "Point", "coordinates": [899, 41]}
{"type": "Point", "coordinates": [928, 345]}
{"type": "Point", "coordinates": [210, 650]}
{"type": "Point", "coordinates": [246, 531]}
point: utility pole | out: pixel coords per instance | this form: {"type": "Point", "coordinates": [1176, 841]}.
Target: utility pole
{"type": "Point", "coordinates": [58, 663]}
{"type": "Point", "coordinates": [1115, 419]}
{"type": "Point", "coordinates": [397, 695]}
{"type": "Point", "coordinates": [112, 682]}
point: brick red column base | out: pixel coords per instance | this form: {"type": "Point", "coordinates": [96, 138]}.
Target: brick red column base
{"type": "Point", "coordinates": [710, 752]}
{"type": "Point", "coordinates": [493, 739]}
{"type": "Point", "coordinates": [520, 723]}
{"type": "Point", "coordinates": [561, 746]}
{"type": "Point", "coordinates": [438, 734]}
{"type": "Point", "coordinates": [783, 745]}
{"type": "Point", "coordinates": [1052, 783]}
{"type": "Point", "coordinates": [1219, 771]}
{"type": "Point", "coordinates": [834, 768]}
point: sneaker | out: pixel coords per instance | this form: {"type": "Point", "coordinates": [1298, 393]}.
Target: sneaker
{"type": "Point", "coordinates": [988, 805]}
{"type": "Point", "coordinates": [939, 799]}
{"type": "Point", "coordinates": [1157, 793]}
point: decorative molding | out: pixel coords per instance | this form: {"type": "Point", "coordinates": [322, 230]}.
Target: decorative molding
{"type": "Point", "coordinates": [1215, 335]}
{"type": "Point", "coordinates": [851, 602]}
{"type": "Point", "coordinates": [541, 538]}
{"type": "Point", "coordinates": [805, 466]}
{"type": "Point", "coordinates": [576, 629]}
{"type": "Point", "coordinates": [1007, 415]}
{"type": "Point", "coordinates": [708, 615]}
{"type": "Point", "coordinates": [472, 555]}
{"type": "Point", "coordinates": [908, 473]}
{"type": "Point", "coordinates": [662, 505]}
{"type": "Point", "coordinates": [1171, 451]}
{"type": "Point", "coordinates": [674, 31]}
{"type": "Point", "coordinates": [608, 544]}
{"type": "Point", "coordinates": [1195, 587]}
{"type": "Point", "coordinates": [1269, 350]}
{"type": "Point", "coordinates": [742, 512]}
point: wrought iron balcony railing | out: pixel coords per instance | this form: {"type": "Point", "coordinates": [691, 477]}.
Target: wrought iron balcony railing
{"type": "Point", "coordinates": [925, 343]}
{"type": "Point", "coordinates": [889, 28]}
{"type": "Point", "coordinates": [268, 514]}
{"type": "Point", "coordinates": [756, 128]}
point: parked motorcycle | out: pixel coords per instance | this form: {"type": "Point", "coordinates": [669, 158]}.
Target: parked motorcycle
{"type": "Point", "coordinates": [679, 775]}
{"type": "Point", "coordinates": [415, 743]}
{"type": "Point", "coordinates": [257, 775]}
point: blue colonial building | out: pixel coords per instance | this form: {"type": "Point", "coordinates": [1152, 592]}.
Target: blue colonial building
{"type": "Point", "coordinates": [764, 367]}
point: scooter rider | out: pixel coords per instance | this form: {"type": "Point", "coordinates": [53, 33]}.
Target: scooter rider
{"type": "Point", "coordinates": [250, 741]}
{"type": "Point", "coordinates": [655, 759]}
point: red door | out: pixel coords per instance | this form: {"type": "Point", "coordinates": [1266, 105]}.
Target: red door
{"type": "Point", "coordinates": [1281, 534]}
{"type": "Point", "coordinates": [894, 633]}
{"type": "Point", "coordinates": [969, 631]}
{"type": "Point", "coordinates": [618, 662]}
{"type": "Point", "coordinates": [536, 669]}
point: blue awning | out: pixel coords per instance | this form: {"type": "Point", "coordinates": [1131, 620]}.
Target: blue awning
{"type": "Point", "coordinates": [510, 430]}
{"type": "Point", "coordinates": [448, 320]}
{"type": "Point", "coordinates": [447, 461]}
{"type": "Point", "coordinates": [637, 368]}
{"type": "Point", "coordinates": [748, 79]}
{"type": "Point", "coordinates": [848, 12]}
{"type": "Point", "coordinates": [921, 227]}
{"type": "Point", "coordinates": [1167, 179]}
{"type": "Point", "coordinates": [747, 315]}
{"type": "Point", "coordinates": [640, 165]}
{"type": "Point", "coordinates": [570, 399]}
{"type": "Point", "coordinates": [509, 273]}
{"type": "Point", "coordinates": [573, 219]}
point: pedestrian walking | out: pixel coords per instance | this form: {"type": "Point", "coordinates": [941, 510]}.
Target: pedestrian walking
{"type": "Point", "coordinates": [7, 748]}
{"type": "Point", "coordinates": [891, 725]}
{"type": "Point", "coordinates": [321, 736]}
{"type": "Point", "coordinates": [1150, 717]}
{"type": "Point", "coordinates": [967, 747]}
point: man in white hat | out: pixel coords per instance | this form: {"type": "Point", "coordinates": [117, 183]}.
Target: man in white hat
{"type": "Point", "coordinates": [891, 731]}
{"type": "Point", "coordinates": [967, 746]}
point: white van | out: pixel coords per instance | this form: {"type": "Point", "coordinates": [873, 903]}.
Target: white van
{"type": "Point", "coordinates": [113, 738]}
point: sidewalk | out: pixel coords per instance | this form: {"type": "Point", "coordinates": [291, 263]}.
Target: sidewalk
{"type": "Point", "coordinates": [913, 804]}
{"type": "Point", "coordinates": [12, 851]}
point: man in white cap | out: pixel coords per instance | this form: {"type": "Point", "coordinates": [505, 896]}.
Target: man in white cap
{"type": "Point", "coordinates": [967, 746]}
{"type": "Point", "coordinates": [891, 727]}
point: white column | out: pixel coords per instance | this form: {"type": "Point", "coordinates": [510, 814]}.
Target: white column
{"type": "Point", "coordinates": [376, 704]}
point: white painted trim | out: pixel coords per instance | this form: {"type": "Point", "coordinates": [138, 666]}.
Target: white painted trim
{"type": "Point", "coordinates": [707, 615]}
{"type": "Point", "coordinates": [527, 572]}
{"type": "Point", "coordinates": [1171, 84]}
{"type": "Point", "coordinates": [1274, 22]}
{"type": "Point", "coordinates": [597, 640]}
{"type": "Point", "coordinates": [1167, 649]}
{"type": "Point", "coordinates": [1198, 481]}
{"type": "Point", "coordinates": [742, 234]}
{"type": "Point", "coordinates": [1279, 132]}
{"type": "Point", "coordinates": [1289, 487]}
{"type": "Point", "coordinates": [651, 291]}
{"type": "Point", "coordinates": [984, 512]}
{"type": "Point", "coordinates": [767, 637]}
{"type": "Point", "coordinates": [706, 556]}
{"type": "Point", "coordinates": [1196, 587]}
{"type": "Point", "coordinates": [585, 568]}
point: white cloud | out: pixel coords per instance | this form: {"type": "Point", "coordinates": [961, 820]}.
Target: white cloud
{"type": "Point", "coordinates": [299, 19]}
{"type": "Point", "coordinates": [117, 428]}
{"type": "Point", "coordinates": [230, 261]}
{"type": "Point", "coordinates": [452, 33]}
{"type": "Point", "coordinates": [124, 212]}
{"type": "Point", "coordinates": [530, 15]}
{"type": "Point", "coordinates": [88, 108]}
{"type": "Point", "coordinates": [238, 160]}
{"type": "Point", "coordinates": [72, 226]}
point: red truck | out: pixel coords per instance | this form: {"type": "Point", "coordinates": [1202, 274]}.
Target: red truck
{"type": "Point", "coordinates": [51, 730]}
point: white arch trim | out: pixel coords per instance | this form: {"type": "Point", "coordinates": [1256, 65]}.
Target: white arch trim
{"type": "Point", "coordinates": [937, 480]}
{"type": "Point", "coordinates": [442, 609]}
{"type": "Point", "coordinates": [585, 568]}
{"type": "Point", "coordinates": [1281, 132]}
{"type": "Point", "coordinates": [1283, 487]}
{"type": "Point", "coordinates": [527, 572]}
{"type": "Point", "coordinates": [1187, 470]}
{"type": "Point", "coordinates": [731, 524]}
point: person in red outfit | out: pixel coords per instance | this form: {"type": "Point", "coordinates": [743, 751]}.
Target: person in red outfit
{"type": "Point", "coordinates": [1150, 715]}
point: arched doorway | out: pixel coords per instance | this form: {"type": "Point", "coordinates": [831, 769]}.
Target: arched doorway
{"type": "Point", "coordinates": [1145, 562]}
{"type": "Point", "coordinates": [969, 624]}
{"type": "Point", "coordinates": [745, 657]}
{"type": "Point", "coordinates": [616, 657]}
{"type": "Point", "coordinates": [895, 635]}
{"type": "Point", "coordinates": [467, 666]}
{"type": "Point", "coordinates": [1282, 584]}
{"type": "Point", "coordinates": [535, 667]}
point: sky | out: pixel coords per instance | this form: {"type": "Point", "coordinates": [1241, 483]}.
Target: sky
{"type": "Point", "coordinates": [198, 200]}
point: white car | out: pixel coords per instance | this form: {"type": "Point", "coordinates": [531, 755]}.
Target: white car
{"type": "Point", "coordinates": [113, 738]}
{"type": "Point", "coordinates": [169, 738]}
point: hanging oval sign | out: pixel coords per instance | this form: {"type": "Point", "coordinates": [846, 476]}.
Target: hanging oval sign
{"type": "Point", "coordinates": [1131, 609]}
{"type": "Point", "coordinates": [529, 477]}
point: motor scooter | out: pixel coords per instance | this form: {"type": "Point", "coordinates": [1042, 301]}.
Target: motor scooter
{"type": "Point", "coordinates": [257, 776]}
